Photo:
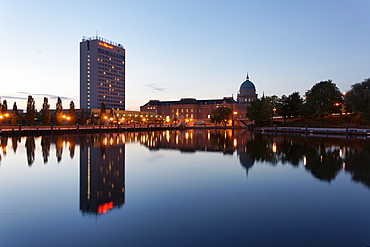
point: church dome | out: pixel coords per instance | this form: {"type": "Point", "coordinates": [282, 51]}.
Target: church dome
{"type": "Point", "coordinates": [247, 85]}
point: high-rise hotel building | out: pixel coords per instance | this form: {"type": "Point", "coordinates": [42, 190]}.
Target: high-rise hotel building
{"type": "Point", "coordinates": [102, 74]}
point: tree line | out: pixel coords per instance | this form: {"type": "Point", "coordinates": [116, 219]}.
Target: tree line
{"type": "Point", "coordinates": [324, 98]}
{"type": "Point", "coordinates": [44, 116]}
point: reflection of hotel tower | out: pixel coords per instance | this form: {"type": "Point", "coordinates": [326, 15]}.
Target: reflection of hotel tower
{"type": "Point", "coordinates": [102, 175]}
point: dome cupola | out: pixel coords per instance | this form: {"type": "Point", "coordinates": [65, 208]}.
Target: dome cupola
{"type": "Point", "coordinates": [247, 85]}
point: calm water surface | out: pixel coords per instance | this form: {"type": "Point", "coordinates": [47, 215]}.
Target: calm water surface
{"type": "Point", "coordinates": [185, 188]}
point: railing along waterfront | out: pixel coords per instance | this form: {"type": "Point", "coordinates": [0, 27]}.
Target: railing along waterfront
{"type": "Point", "coordinates": [85, 129]}
{"type": "Point", "coordinates": [306, 130]}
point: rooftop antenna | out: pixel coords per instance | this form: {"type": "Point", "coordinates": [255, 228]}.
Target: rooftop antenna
{"type": "Point", "coordinates": [96, 33]}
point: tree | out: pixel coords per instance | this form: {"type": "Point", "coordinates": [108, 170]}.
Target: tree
{"type": "Point", "coordinates": [321, 99]}
{"type": "Point", "coordinates": [59, 112]}
{"type": "Point", "coordinates": [31, 111]}
{"type": "Point", "coordinates": [72, 113]}
{"type": "Point", "coordinates": [260, 111]}
{"type": "Point", "coordinates": [221, 115]}
{"type": "Point", "coordinates": [15, 114]}
{"type": "Point", "coordinates": [358, 99]}
{"type": "Point", "coordinates": [102, 113]}
{"type": "Point", "coordinates": [45, 112]}
{"type": "Point", "coordinates": [4, 107]}
{"type": "Point", "coordinates": [290, 106]}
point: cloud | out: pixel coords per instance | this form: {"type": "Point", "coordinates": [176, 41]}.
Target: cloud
{"type": "Point", "coordinates": [51, 96]}
{"type": "Point", "coordinates": [13, 97]}
{"type": "Point", "coordinates": [154, 87]}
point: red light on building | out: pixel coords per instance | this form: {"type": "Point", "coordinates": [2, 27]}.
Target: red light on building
{"type": "Point", "coordinates": [105, 45]}
{"type": "Point", "coordinates": [102, 209]}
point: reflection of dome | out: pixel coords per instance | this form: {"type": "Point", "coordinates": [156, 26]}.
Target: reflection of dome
{"type": "Point", "coordinates": [245, 160]}
{"type": "Point", "coordinates": [247, 85]}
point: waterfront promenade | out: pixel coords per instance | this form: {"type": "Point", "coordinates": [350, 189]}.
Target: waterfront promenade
{"type": "Point", "coordinates": [94, 129]}
{"type": "Point", "coordinates": [314, 131]}
{"type": "Point", "coordinates": [91, 129]}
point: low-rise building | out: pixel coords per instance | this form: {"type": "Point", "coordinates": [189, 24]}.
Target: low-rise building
{"type": "Point", "coordinates": [191, 109]}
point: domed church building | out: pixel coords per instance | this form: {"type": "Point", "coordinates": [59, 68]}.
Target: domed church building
{"type": "Point", "coordinates": [247, 92]}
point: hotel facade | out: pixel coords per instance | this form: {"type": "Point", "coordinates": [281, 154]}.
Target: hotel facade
{"type": "Point", "coordinates": [102, 74]}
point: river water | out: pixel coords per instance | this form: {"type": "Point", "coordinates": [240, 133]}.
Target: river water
{"type": "Point", "coordinates": [185, 188]}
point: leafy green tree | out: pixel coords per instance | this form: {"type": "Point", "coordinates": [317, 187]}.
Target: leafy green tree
{"type": "Point", "coordinates": [290, 106]}
{"type": "Point", "coordinates": [221, 115]}
{"type": "Point", "coordinates": [260, 111]}
{"type": "Point", "coordinates": [59, 112]}
{"type": "Point", "coordinates": [31, 111]}
{"type": "Point", "coordinates": [4, 107]}
{"type": "Point", "coordinates": [358, 99]}
{"type": "Point", "coordinates": [15, 114]}
{"type": "Point", "coordinates": [321, 99]}
{"type": "Point", "coordinates": [72, 113]}
{"type": "Point", "coordinates": [45, 112]}
{"type": "Point", "coordinates": [102, 113]}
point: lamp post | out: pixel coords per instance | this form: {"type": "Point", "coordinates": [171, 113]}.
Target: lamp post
{"type": "Point", "coordinates": [234, 116]}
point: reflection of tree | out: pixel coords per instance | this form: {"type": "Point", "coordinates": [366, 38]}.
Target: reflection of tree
{"type": "Point", "coordinates": [357, 163]}
{"type": "Point", "coordinates": [4, 144]}
{"type": "Point", "coordinates": [30, 148]}
{"type": "Point", "coordinates": [15, 143]}
{"type": "Point", "coordinates": [72, 145]}
{"type": "Point", "coordinates": [258, 150]}
{"type": "Point", "coordinates": [290, 151]}
{"type": "Point", "coordinates": [324, 163]}
{"type": "Point", "coordinates": [324, 157]}
{"type": "Point", "coordinates": [59, 148]}
{"type": "Point", "coordinates": [45, 147]}
{"type": "Point", "coordinates": [222, 141]}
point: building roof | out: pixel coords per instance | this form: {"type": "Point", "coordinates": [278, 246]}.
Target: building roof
{"type": "Point", "coordinates": [247, 85]}
{"type": "Point", "coordinates": [184, 101]}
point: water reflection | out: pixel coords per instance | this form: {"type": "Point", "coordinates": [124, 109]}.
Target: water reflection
{"type": "Point", "coordinates": [102, 157]}
{"type": "Point", "coordinates": [102, 174]}
{"type": "Point", "coordinates": [323, 157]}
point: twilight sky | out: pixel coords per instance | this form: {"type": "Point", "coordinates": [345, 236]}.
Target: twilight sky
{"type": "Point", "coordinates": [178, 49]}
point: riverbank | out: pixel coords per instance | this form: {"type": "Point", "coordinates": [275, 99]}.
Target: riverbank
{"type": "Point", "coordinates": [6, 131]}
{"type": "Point", "coordinates": [314, 131]}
